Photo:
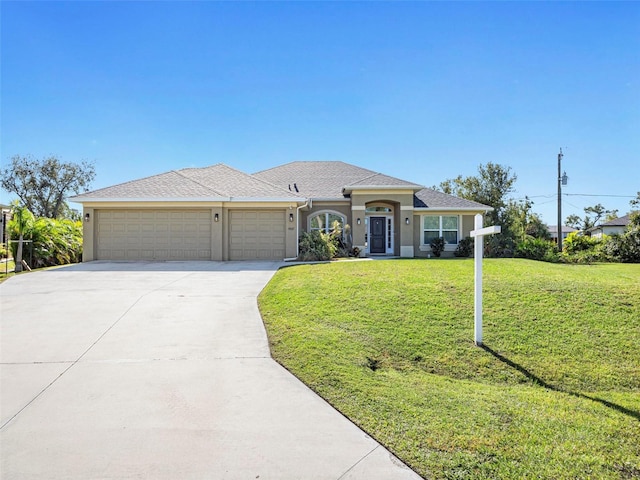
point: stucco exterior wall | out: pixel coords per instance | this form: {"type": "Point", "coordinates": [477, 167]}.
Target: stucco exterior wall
{"type": "Point", "coordinates": [343, 208]}
{"type": "Point", "coordinates": [88, 238]}
{"type": "Point", "coordinates": [466, 225]}
{"type": "Point", "coordinates": [219, 229]}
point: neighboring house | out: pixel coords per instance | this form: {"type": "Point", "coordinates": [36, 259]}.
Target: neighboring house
{"type": "Point", "coordinates": [5, 217]}
{"type": "Point", "coordinates": [617, 226]}
{"type": "Point", "coordinates": [219, 213]}
{"type": "Point", "coordinates": [553, 231]}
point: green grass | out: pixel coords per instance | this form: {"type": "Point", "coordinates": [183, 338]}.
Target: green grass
{"type": "Point", "coordinates": [6, 270]}
{"type": "Point", "coordinates": [555, 393]}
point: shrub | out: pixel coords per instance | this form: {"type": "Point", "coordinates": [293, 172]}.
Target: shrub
{"type": "Point", "coordinates": [316, 246]}
{"type": "Point", "coordinates": [464, 248]}
{"type": "Point", "coordinates": [576, 242]}
{"type": "Point", "coordinates": [537, 249]}
{"type": "Point", "coordinates": [624, 248]}
{"type": "Point", "coordinates": [578, 248]}
{"type": "Point", "coordinates": [499, 246]}
{"type": "Point", "coordinates": [54, 242]}
{"type": "Point", "coordinates": [437, 246]}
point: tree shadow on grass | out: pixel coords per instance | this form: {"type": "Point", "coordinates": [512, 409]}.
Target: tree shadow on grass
{"type": "Point", "coordinates": [542, 383]}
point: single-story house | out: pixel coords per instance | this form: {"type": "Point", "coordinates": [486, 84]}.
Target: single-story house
{"type": "Point", "coordinates": [553, 231]}
{"type": "Point", "coordinates": [220, 213]}
{"type": "Point", "coordinates": [617, 226]}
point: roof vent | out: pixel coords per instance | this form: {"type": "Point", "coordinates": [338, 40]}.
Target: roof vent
{"type": "Point", "coordinates": [289, 187]}
{"type": "Point", "coordinates": [296, 187]}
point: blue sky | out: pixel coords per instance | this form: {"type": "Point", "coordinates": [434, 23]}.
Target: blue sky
{"type": "Point", "coordinates": [424, 91]}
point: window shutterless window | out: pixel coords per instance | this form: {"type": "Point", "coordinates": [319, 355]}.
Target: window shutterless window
{"type": "Point", "coordinates": [435, 226]}
{"type": "Point", "coordinates": [326, 222]}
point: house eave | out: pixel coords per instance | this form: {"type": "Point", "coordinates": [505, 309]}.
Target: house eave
{"type": "Point", "coordinates": [413, 188]}
{"type": "Point", "coordinates": [453, 209]}
{"type": "Point", "coordinates": [330, 199]}
{"type": "Point", "coordinates": [81, 199]}
{"type": "Point", "coordinates": [267, 199]}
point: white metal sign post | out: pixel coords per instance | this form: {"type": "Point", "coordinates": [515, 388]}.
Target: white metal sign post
{"type": "Point", "coordinates": [479, 234]}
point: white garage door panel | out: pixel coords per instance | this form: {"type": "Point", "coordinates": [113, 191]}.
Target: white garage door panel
{"type": "Point", "coordinates": [257, 235]}
{"type": "Point", "coordinates": [153, 234]}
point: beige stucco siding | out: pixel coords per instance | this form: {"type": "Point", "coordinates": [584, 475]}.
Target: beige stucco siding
{"type": "Point", "coordinates": [342, 208]}
{"type": "Point", "coordinates": [466, 225]}
{"type": "Point", "coordinates": [188, 231]}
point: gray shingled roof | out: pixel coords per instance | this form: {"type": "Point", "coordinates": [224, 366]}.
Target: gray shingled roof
{"type": "Point", "coordinates": [428, 198]}
{"type": "Point", "coordinates": [234, 183]}
{"type": "Point", "coordinates": [553, 229]}
{"type": "Point", "coordinates": [216, 181]}
{"type": "Point", "coordinates": [325, 179]}
{"type": "Point", "coordinates": [616, 222]}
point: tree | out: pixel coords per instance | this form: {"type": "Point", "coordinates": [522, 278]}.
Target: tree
{"type": "Point", "coordinates": [592, 216]}
{"type": "Point", "coordinates": [43, 185]}
{"type": "Point", "coordinates": [22, 219]}
{"type": "Point", "coordinates": [490, 187]}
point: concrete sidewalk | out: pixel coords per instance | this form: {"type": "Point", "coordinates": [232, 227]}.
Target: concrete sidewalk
{"type": "Point", "coordinates": [161, 370]}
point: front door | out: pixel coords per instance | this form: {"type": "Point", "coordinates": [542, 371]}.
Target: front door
{"type": "Point", "coordinates": [378, 234]}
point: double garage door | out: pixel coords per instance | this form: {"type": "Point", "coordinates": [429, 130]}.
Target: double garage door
{"type": "Point", "coordinates": [182, 234]}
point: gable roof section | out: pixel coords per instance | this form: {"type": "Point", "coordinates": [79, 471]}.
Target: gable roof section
{"type": "Point", "coordinates": [616, 222]}
{"type": "Point", "coordinates": [234, 183]}
{"type": "Point", "coordinates": [217, 182]}
{"type": "Point", "coordinates": [327, 179]}
{"type": "Point", "coordinates": [432, 199]}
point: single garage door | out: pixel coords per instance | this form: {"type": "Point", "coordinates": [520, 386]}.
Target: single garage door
{"type": "Point", "coordinates": [153, 234]}
{"type": "Point", "coordinates": [256, 235]}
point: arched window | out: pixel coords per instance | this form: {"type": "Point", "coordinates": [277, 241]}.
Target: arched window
{"type": "Point", "coordinates": [326, 222]}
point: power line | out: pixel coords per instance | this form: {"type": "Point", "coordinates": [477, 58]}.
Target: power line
{"type": "Point", "coordinates": [592, 195]}
{"type": "Point", "coordinates": [554, 195]}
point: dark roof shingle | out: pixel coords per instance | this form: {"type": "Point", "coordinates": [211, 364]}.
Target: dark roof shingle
{"type": "Point", "coordinates": [429, 198]}
{"type": "Point", "coordinates": [325, 179]}
{"type": "Point", "coordinates": [215, 181]}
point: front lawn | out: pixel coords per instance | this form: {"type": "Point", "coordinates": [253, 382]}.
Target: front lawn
{"type": "Point", "coordinates": [555, 393]}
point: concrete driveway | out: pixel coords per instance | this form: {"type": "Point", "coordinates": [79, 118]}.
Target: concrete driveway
{"type": "Point", "coordinates": [161, 370]}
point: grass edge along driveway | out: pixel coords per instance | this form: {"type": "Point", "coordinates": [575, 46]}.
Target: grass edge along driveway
{"type": "Point", "coordinates": [555, 393]}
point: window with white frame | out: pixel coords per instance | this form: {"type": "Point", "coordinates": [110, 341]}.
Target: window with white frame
{"type": "Point", "coordinates": [326, 222]}
{"type": "Point", "coordinates": [436, 226]}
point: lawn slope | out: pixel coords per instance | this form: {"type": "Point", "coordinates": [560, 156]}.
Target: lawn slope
{"type": "Point", "coordinates": [554, 393]}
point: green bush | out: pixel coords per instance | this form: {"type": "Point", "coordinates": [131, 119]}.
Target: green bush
{"type": "Point", "coordinates": [578, 248]}
{"type": "Point", "coordinates": [537, 249]}
{"type": "Point", "coordinates": [464, 248]}
{"type": "Point", "coordinates": [316, 246]}
{"type": "Point", "coordinates": [624, 248]}
{"type": "Point", "coordinates": [576, 242]}
{"type": "Point", "coordinates": [437, 246]}
{"type": "Point", "coordinates": [499, 246]}
{"type": "Point", "coordinates": [54, 242]}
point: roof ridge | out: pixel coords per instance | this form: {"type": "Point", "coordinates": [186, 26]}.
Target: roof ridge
{"type": "Point", "coordinates": [250, 175]}
{"type": "Point", "coordinates": [369, 176]}
{"type": "Point", "coordinates": [121, 184]}
{"type": "Point", "coordinates": [177, 172]}
{"type": "Point", "coordinates": [307, 161]}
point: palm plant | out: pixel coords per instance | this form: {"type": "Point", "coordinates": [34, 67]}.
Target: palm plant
{"type": "Point", "coordinates": [22, 221]}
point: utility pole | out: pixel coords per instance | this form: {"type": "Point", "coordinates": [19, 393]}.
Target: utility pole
{"type": "Point", "coordinates": [562, 180]}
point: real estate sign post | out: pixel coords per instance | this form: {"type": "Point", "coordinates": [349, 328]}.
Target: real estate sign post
{"type": "Point", "coordinates": [479, 234]}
